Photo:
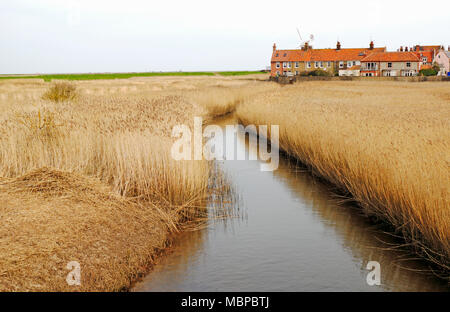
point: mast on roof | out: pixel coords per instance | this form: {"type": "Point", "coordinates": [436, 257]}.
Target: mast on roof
{"type": "Point", "coordinates": [305, 44]}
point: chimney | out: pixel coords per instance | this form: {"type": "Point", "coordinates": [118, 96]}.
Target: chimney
{"type": "Point", "coordinates": [406, 49]}
{"type": "Point", "coordinates": [401, 49]}
{"type": "Point", "coordinates": [274, 47]}
{"type": "Point", "coordinates": [338, 45]}
{"type": "Point", "coordinates": [371, 45]}
{"type": "Point", "coordinates": [306, 47]}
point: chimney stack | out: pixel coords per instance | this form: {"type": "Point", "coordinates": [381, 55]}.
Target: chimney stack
{"type": "Point", "coordinates": [274, 47]}
{"type": "Point", "coordinates": [401, 49]}
{"type": "Point", "coordinates": [371, 45]}
{"type": "Point", "coordinates": [406, 49]}
{"type": "Point", "coordinates": [338, 45]}
{"type": "Point", "coordinates": [306, 47]}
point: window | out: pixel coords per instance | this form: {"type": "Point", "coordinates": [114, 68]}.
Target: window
{"type": "Point", "coordinates": [278, 72]}
{"type": "Point", "coordinates": [284, 54]}
{"type": "Point", "coordinates": [389, 65]}
{"type": "Point", "coordinates": [308, 64]}
{"type": "Point", "coordinates": [284, 64]}
{"type": "Point", "coordinates": [408, 64]}
{"type": "Point", "coordinates": [329, 64]}
{"type": "Point", "coordinates": [354, 63]}
{"type": "Point", "coordinates": [278, 65]}
{"type": "Point", "coordinates": [349, 64]}
{"type": "Point", "coordinates": [321, 64]}
{"type": "Point", "coordinates": [341, 64]}
{"type": "Point", "coordinates": [296, 64]}
{"type": "Point", "coordinates": [424, 59]}
{"type": "Point", "coordinates": [276, 55]}
{"type": "Point", "coordinates": [296, 73]}
{"type": "Point", "coordinates": [289, 65]}
{"type": "Point", "coordinates": [371, 66]}
{"type": "Point", "coordinates": [408, 73]}
{"type": "Point", "coordinates": [316, 64]}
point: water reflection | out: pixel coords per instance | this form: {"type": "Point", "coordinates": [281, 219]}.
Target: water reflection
{"type": "Point", "coordinates": [400, 271]}
{"type": "Point", "coordinates": [295, 238]}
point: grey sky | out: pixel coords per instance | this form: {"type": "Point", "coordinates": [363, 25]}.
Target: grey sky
{"type": "Point", "coordinates": [58, 36]}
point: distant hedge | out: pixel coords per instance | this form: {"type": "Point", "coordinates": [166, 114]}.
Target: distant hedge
{"type": "Point", "coordinates": [316, 73]}
{"type": "Point", "coordinates": [428, 72]}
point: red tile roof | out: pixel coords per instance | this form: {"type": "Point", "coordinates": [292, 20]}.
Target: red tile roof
{"type": "Point", "coordinates": [342, 54]}
{"type": "Point", "coordinates": [391, 57]}
{"type": "Point", "coordinates": [324, 55]}
{"type": "Point", "coordinates": [428, 54]}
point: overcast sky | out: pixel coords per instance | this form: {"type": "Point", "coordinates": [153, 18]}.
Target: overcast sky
{"type": "Point", "coordinates": [59, 36]}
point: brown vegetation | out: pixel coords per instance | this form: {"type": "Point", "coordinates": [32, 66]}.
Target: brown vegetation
{"type": "Point", "coordinates": [60, 91]}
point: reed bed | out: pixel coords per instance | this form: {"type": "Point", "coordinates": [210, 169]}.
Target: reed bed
{"type": "Point", "coordinates": [91, 179]}
{"type": "Point", "coordinates": [384, 144]}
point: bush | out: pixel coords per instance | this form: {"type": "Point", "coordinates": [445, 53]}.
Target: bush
{"type": "Point", "coordinates": [60, 91]}
{"type": "Point", "coordinates": [319, 72]}
{"type": "Point", "coordinates": [316, 73]}
{"type": "Point", "coordinates": [428, 72]}
{"type": "Point", "coordinates": [436, 67]}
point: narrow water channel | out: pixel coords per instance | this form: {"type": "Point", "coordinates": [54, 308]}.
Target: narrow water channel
{"type": "Point", "coordinates": [294, 237]}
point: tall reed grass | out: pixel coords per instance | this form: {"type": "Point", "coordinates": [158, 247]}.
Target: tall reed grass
{"type": "Point", "coordinates": [386, 144]}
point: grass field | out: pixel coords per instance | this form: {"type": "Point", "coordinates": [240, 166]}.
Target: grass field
{"type": "Point", "coordinates": [91, 179]}
{"type": "Point", "coordinates": [386, 144]}
{"type": "Point", "coordinates": [107, 76]}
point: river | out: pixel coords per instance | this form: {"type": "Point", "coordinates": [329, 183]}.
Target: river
{"type": "Point", "coordinates": [292, 235]}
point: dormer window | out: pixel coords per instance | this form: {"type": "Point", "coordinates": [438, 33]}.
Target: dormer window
{"type": "Point", "coordinates": [276, 55]}
{"type": "Point", "coordinates": [284, 54]}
